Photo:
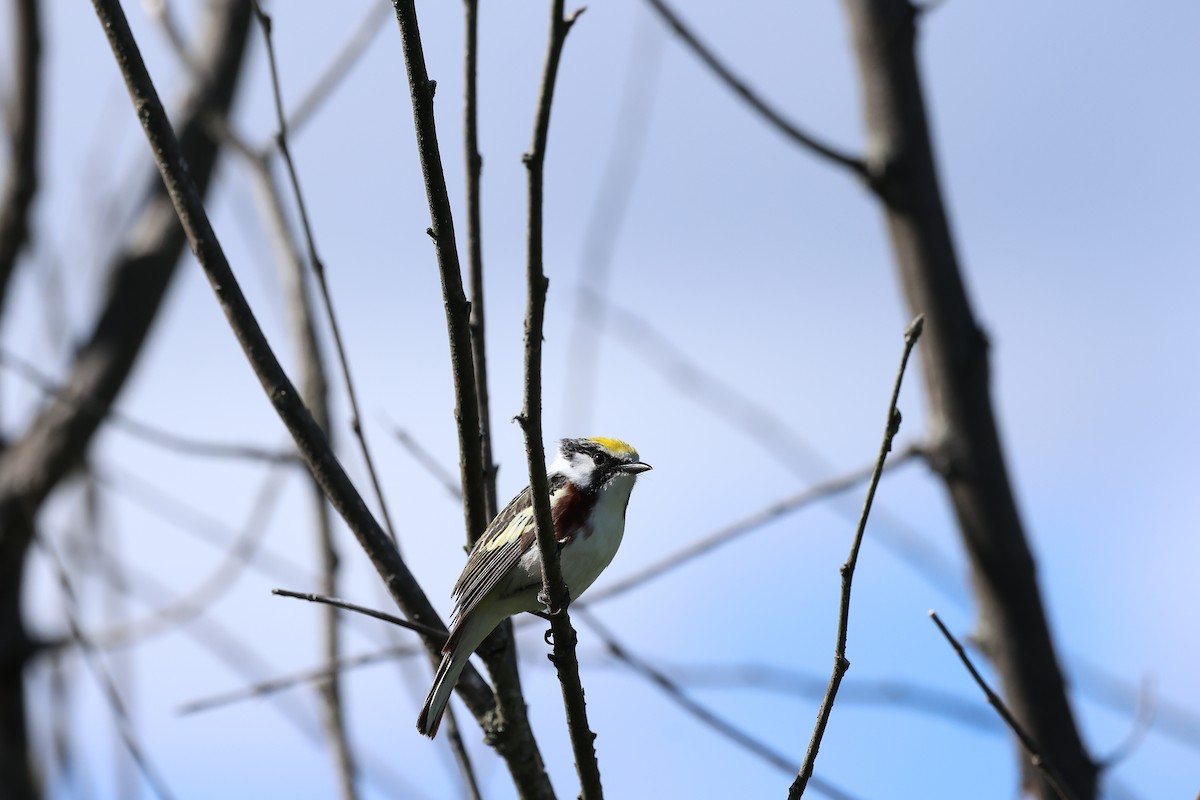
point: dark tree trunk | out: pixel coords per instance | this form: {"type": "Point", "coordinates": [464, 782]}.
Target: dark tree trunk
{"type": "Point", "coordinates": [1013, 629]}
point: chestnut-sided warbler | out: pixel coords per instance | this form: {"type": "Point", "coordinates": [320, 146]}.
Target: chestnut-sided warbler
{"type": "Point", "coordinates": [590, 481]}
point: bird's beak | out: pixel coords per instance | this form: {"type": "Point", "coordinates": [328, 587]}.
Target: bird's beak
{"type": "Point", "coordinates": [636, 467]}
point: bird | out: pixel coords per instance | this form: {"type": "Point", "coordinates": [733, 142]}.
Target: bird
{"type": "Point", "coordinates": [590, 481]}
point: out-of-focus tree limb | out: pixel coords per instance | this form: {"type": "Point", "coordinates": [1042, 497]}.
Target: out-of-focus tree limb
{"type": "Point", "coordinates": [16, 197]}
{"type": "Point", "coordinates": [33, 465]}
{"type": "Point", "coordinates": [750, 97]}
{"type": "Point", "coordinates": [309, 439]}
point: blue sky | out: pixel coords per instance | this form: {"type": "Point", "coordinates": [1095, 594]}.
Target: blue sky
{"type": "Point", "coordinates": [1066, 137]}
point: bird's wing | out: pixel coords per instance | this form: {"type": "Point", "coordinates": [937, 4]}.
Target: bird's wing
{"type": "Point", "coordinates": [509, 536]}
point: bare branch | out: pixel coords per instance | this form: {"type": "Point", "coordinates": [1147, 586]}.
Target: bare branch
{"type": "Point", "coordinates": [310, 439]}
{"type": "Point", "coordinates": [517, 746]}
{"type": "Point", "coordinates": [457, 308]}
{"type": "Point", "coordinates": [1035, 754]}
{"type": "Point", "coordinates": [475, 250]}
{"type": "Point", "coordinates": [430, 631]}
{"type": "Point", "coordinates": [747, 94]}
{"type": "Point", "coordinates": [840, 664]}
{"type": "Point", "coordinates": [554, 589]}
{"type": "Point", "coordinates": [502, 658]}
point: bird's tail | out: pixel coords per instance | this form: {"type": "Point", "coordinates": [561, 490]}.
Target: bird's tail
{"type": "Point", "coordinates": [443, 685]}
{"type": "Point", "coordinates": [463, 639]}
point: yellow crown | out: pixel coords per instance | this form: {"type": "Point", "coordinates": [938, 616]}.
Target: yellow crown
{"type": "Point", "coordinates": [615, 446]}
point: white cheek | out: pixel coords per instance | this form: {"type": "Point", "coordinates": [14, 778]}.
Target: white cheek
{"type": "Point", "coordinates": [578, 469]}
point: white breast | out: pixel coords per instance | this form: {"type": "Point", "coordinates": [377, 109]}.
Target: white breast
{"type": "Point", "coordinates": [585, 558]}
{"type": "Point", "coordinates": [592, 550]}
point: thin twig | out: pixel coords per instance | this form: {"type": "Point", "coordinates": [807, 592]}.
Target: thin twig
{"type": "Point", "coordinates": [768, 112]}
{"type": "Point", "coordinates": [475, 251]}
{"type": "Point", "coordinates": [427, 630]}
{"type": "Point", "coordinates": [316, 396]}
{"type": "Point", "coordinates": [501, 647]}
{"type": "Point", "coordinates": [840, 663]}
{"type": "Point", "coordinates": [554, 589]}
{"type": "Point", "coordinates": [310, 439]}
{"type": "Point", "coordinates": [107, 685]}
{"type": "Point", "coordinates": [675, 694]}
{"type": "Point", "coordinates": [441, 230]}
{"type": "Point", "coordinates": [62, 762]}
{"type": "Point", "coordinates": [1035, 754]}
{"type": "Point", "coordinates": [318, 268]}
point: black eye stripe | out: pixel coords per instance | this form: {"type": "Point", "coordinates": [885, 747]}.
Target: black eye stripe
{"type": "Point", "coordinates": [585, 447]}
{"type": "Point", "coordinates": [601, 456]}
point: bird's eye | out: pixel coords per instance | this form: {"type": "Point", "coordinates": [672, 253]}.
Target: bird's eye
{"type": "Point", "coordinates": [600, 458]}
